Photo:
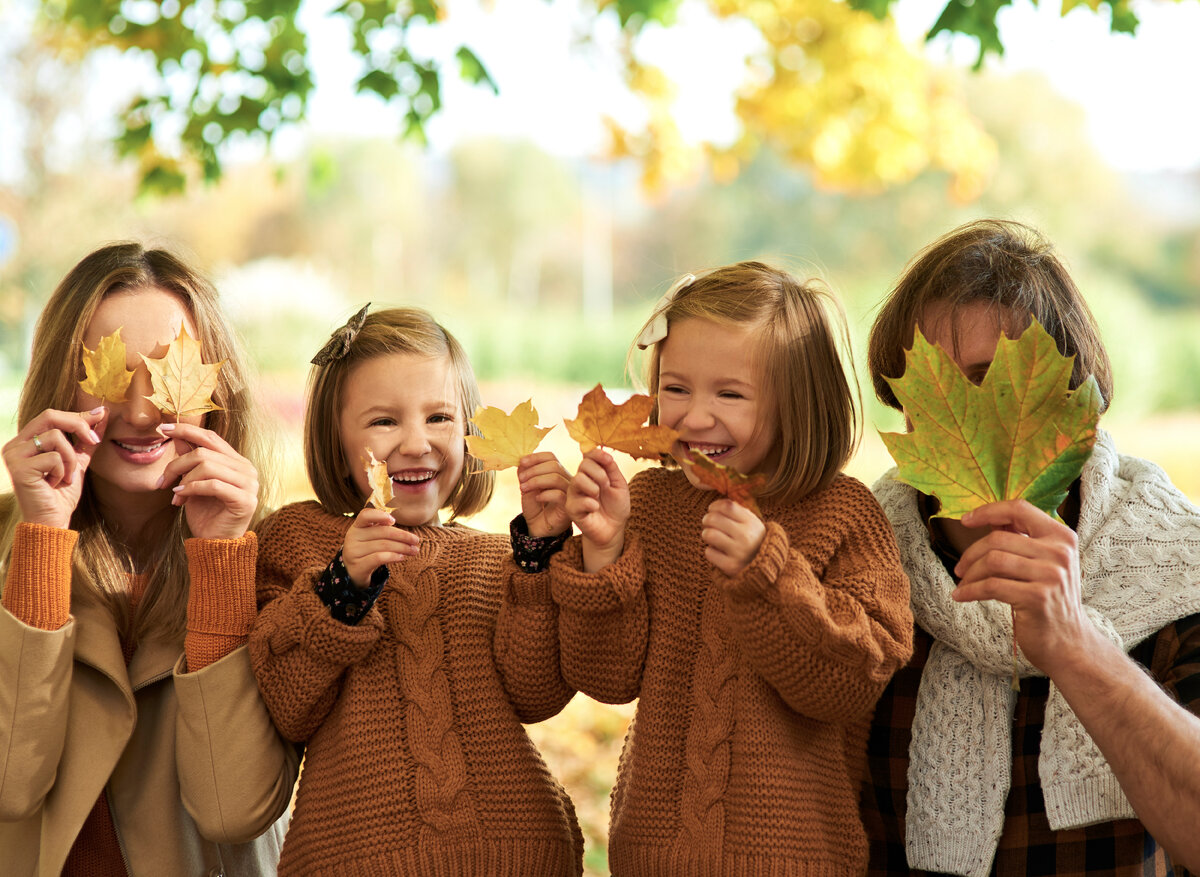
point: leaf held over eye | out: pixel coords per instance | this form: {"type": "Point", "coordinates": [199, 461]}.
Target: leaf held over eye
{"type": "Point", "coordinates": [106, 376]}
{"type": "Point", "coordinates": [379, 480]}
{"type": "Point", "coordinates": [728, 482]}
{"type": "Point", "coordinates": [1021, 434]}
{"type": "Point", "coordinates": [183, 383]}
{"type": "Point", "coordinates": [506, 437]}
{"type": "Point", "coordinates": [600, 423]}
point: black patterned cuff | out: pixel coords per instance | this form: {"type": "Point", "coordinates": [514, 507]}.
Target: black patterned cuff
{"type": "Point", "coordinates": [533, 553]}
{"type": "Point", "coordinates": [347, 603]}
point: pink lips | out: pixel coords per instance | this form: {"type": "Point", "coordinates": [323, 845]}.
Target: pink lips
{"type": "Point", "coordinates": [141, 451]}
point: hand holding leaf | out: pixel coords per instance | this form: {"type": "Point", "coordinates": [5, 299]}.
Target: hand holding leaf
{"type": "Point", "coordinates": [600, 423]}
{"type": "Point", "coordinates": [728, 482]}
{"type": "Point", "coordinates": [380, 482]}
{"type": "Point", "coordinates": [106, 376]}
{"type": "Point", "coordinates": [183, 383]}
{"type": "Point", "coordinates": [506, 437]}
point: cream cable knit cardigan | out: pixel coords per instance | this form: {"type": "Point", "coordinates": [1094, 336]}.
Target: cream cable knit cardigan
{"type": "Point", "coordinates": [1139, 547]}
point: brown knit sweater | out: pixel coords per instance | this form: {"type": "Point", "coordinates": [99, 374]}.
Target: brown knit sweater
{"type": "Point", "coordinates": [416, 761]}
{"type": "Point", "coordinates": [755, 693]}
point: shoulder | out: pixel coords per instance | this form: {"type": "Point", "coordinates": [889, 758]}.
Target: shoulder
{"type": "Point", "coordinates": [300, 523]}
{"type": "Point", "coordinates": [845, 499]}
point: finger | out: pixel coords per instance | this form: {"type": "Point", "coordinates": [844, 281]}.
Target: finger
{"type": "Point", "coordinates": [993, 588]}
{"type": "Point", "coordinates": [231, 495]}
{"type": "Point", "coordinates": [373, 517]}
{"type": "Point", "coordinates": [536, 463]}
{"type": "Point", "coordinates": [998, 540]}
{"type": "Point", "coordinates": [584, 485]}
{"type": "Point", "coordinates": [80, 425]}
{"type": "Point", "coordinates": [204, 463]}
{"type": "Point", "coordinates": [1017, 514]}
{"type": "Point", "coordinates": [197, 436]}
{"type": "Point", "coordinates": [363, 547]}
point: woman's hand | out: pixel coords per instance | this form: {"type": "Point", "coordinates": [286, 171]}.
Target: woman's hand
{"type": "Point", "coordinates": [544, 484]}
{"type": "Point", "coordinates": [732, 535]}
{"type": "Point", "coordinates": [373, 541]}
{"type": "Point", "coordinates": [217, 486]}
{"type": "Point", "coordinates": [1030, 561]}
{"type": "Point", "coordinates": [46, 467]}
{"type": "Point", "coordinates": [598, 503]}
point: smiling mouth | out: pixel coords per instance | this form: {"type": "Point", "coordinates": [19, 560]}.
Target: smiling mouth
{"type": "Point", "coordinates": [710, 451]}
{"type": "Point", "coordinates": [141, 449]}
{"type": "Point", "coordinates": [414, 477]}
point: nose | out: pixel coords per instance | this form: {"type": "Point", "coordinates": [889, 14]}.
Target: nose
{"type": "Point", "coordinates": [415, 442]}
{"type": "Point", "coordinates": [697, 415]}
{"type": "Point", "coordinates": [138, 410]}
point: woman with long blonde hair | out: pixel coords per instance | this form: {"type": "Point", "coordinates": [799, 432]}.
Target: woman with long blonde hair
{"type": "Point", "coordinates": [132, 737]}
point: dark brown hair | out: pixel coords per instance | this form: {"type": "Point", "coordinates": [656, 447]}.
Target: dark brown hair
{"type": "Point", "coordinates": [1007, 265]}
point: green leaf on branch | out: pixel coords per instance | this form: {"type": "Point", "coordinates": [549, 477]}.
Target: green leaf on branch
{"type": "Point", "coordinates": [1021, 434]}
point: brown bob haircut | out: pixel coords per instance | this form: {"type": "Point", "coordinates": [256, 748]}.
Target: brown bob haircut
{"type": "Point", "coordinates": [797, 328]}
{"type": "Point", "coordinates": [389, 331]}
{"type": "Point", "coordinates": [1011, 267]}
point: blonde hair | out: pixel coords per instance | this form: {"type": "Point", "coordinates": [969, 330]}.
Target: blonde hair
{"type": "Point", "coordinates": [101, 565]}
{"type": "Point", "coordinates": [1007, 265]}
{"type": "Point", "coordinates": [798, 325]}
{"type": "Point", "coordinates": [394, 330]}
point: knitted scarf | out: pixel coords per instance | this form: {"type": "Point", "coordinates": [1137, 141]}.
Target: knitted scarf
{"type": "Point", "coordinates": [1139, 549]}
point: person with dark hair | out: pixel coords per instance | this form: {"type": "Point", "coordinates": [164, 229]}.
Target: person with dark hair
{"type": "Point", "coordinates": [132, 737]}
{"type": "Point", "coordinates": [1093, 767]}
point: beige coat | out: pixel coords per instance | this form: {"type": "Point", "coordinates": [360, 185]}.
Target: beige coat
{"type": "Point", "coordinates": [194, 768]}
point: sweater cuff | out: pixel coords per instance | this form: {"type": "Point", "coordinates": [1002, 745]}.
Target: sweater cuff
{"type": "Point", "coordinates": [759, 579]}
{"type": "Point", "coordinates": [221, 596]}
{"type": "Point", "coordinates": [37, 589]}
{"type": "Point", "coordinates": [602, 592]}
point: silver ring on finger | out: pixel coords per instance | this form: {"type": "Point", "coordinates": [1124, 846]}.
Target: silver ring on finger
{"type": "Point", "coordinates": [37, 443]}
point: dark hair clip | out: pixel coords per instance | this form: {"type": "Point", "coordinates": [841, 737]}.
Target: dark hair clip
{"type": "Point", "coordinates": [339, 342]}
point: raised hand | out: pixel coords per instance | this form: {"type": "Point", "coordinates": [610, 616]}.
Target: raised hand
{"type": "Point", "coordinates": [1030, 561]}
{"type": "Point", "coordinates": [732, 535]}
{"type": "Point", "coordinates": [47, 467]}
{"type": "Point", "coordinates": [217, 486]}
{"type": "Point", "coordinates": [373, 541]}
{"type": "Point", "coordinates": [598, 504]}
{"type": "Point", "coordinates": [544, 484]}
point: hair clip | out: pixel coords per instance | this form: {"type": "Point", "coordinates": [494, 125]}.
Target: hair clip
{"type": "Point", "coordinates": [339, 342]}
{"type": "Point", "coordinates": [656, 329]}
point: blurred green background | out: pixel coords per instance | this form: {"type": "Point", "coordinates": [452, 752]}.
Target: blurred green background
{"type": "Point", "coordinates": [543, 247]}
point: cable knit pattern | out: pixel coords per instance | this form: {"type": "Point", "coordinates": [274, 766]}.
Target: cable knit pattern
{"type": "Point", "coordinates": [416, 762]}
{"type": "Point", "coordinates": [1139, 546]}
{"type": "Point", "coordinates": [754, 693]}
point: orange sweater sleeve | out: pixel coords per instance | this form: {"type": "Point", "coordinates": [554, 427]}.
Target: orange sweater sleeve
{"type": "Point", "coordinates": [37, 589]}
{"type": "Point", "coordinates": [221, 606]}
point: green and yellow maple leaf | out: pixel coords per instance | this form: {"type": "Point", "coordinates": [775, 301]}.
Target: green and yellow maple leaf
{"type": "Point", "coordinates": [506, 438]}
{"type": "Point", "coordinates": [107, 378]}
{"type": "Point", "coordinates": [183, 383]}
{"type": "Point", "coordinates": [1020, 434]}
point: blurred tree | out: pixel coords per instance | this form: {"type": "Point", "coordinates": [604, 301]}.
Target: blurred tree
{"type": "Point", "coordinates": [831, 87]}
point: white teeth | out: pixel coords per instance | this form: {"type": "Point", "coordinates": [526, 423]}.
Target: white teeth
{"type": "Point", "coordinates": [413, 477]}
{"type": "Point", "coordinates": [708, 450]}
{"type": "Point", "coordinates": [140, 449]}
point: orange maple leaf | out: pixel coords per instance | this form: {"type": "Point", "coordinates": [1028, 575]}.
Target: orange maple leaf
{"type": "Point", "coordinates": [728, 482]}
{"type": "Point", "coordinates": [600, 423]}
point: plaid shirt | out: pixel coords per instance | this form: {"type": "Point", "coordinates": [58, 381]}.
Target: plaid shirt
{"type": "Point", "coordinates": [1027, 845]}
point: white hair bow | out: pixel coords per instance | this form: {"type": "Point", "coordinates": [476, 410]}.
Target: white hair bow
{"type": "Point", "coordinates": [656, 329]}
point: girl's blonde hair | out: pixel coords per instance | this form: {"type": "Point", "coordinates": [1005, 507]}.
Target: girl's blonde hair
{"type": "Point", "coordinates": [394, 330]}
{"type": "Point", "coordinates": [1007, 265]}
{"type": "Point", "coordinates": [101, 564]}
{"type": "Point", "coordinates": [798, 327]}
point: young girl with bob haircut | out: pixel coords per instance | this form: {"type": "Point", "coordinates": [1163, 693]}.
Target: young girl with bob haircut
{"type": "Point", "coordinates": [1091, 768]}
{"type": "Point", "coordinates": [377, 644]}
{"type": "Point", "coordinates": [756, 647]}
{"type": "Point", "coordinates": [132, 737]}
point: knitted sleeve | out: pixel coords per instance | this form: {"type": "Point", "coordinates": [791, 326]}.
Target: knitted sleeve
{"type": "Point", "coordinates": [828, 643]}
{"type": "Point", "coordinates": [603, 622]}
{"type": "Point", "coordinates": [526, 647]}
{"type": "Point", "coordinates": [221, 605]}
{"type": "Point", "coordinates": [37, 588]}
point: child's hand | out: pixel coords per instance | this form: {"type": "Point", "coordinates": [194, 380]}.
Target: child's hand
{"type": "Point", "coordinates": [732, 535]}
{"type": "Point", "coordinates": [372, 541]}
{"type": "Point", "coordinates": [543, 494]}
{"type": "Point", "coordinates": [598, 503]}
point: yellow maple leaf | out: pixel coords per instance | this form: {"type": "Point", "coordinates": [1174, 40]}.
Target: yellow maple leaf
{"type": "Point", "coordinates": [600, 423]}
{"type": "Point", "coordinates": [106, 376]}
{"type": "Point", "coordinates": [380, 481]}
{"type": "Point", "coordinates": [506, 437]}
{"type": "Point", "coordinates": [183, 383]}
